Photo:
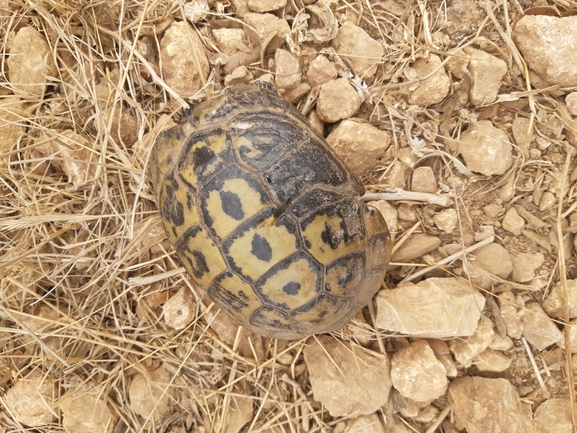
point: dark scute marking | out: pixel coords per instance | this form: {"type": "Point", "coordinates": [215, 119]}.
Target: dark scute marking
{"type": "Point", "coordinates": [259, 318]}
{"type": "Point", "coordinates": [308, 244]}
{"type": "Point", "coordinates": [172, 210]}
{"type": "Point", "coordinates": [291, 288]}
{"type": "Point", "coordinates": [202, 156]}
{"type": "Point", "coordinates": [312, 163]}
{"type": "Point", "coordinates": [350, 267]}
{"type": "Point", "coordinates": [226, 300]}
{"type": "Point", "coordinates": [335, 313]}
{"type": "Point", "coordinates": [312, 200]}
{"type": "Point", "coordinates": [331, 237]}
{"type": "Point", "coordinates": [272, 135]}
{"type": "Point", "coordinates": [264, 85]}
{"type": "Point", "coordinates": [232, 205]}
{"type": "Point", "coordinates": [199, 265]}
{"type": "Point", "coordinates": [316, 269]}
{"type": "Point", "coordinates": [261, 248]}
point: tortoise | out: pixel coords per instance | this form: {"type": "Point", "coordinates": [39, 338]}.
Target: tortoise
{"type": "Point", "coordinates": [265, 217]}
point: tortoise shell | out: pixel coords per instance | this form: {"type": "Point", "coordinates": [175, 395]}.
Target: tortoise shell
{"type": "Point", "coordinates": [265, 217]}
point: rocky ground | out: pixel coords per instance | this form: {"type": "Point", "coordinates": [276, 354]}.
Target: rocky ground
{"type": "Point", "coordinates": [460, 117]}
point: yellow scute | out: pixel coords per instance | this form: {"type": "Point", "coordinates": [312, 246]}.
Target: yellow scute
{"type": "Point", "coordinates": [323, 252]}
{"type": "Point", "coordinates": [280, 240]}
{"type": "Point", "coordinates": [175, 231]}
{"type": "Point", "coordinates": [202, 259]}
{"type": "Point", "coordinates": [240, 296]}
{"type": "Point", "coordinates": [250, 198]}
{"type": "Point", "coordinates": [238, 142]}
{"type": "Point", "coordinates": [299, 274]}
{"type": "Point", "coordinates": [216, 143]}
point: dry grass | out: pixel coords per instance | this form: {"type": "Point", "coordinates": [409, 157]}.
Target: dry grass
{"type": "Point", "coordinates": [84, 265]}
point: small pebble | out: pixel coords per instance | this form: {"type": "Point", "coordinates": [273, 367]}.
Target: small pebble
{"type": "Point", "coordinates": [424, 180]}
{"type": "Point", "coordinates": [337, 100]}
{"type": "Point", "coordinates": [512, 222]}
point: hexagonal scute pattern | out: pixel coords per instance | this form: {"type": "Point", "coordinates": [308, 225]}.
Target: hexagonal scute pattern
{"type": "Point", "coordinates": [265, 217]}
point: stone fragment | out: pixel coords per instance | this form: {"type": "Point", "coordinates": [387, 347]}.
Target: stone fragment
{"type": "Point", "coordinates": [559, 296]}
{"type": "Point", "coordinates": [484, 232]}
{"type": "Point", "coordinates": [31, 400]}
{"type": "Point", "coordinates": [347, 380]}
{"type": "Point", "coordinates": [547, 201]}
{"type": "Point", "coordinates": [571, 101]}
{"type": "Point", "coordinates": [522, 133]}
{"type": "Point", "coordinates": [240, 75]}
{"type": "Point", "coordinates": [495, 259]}
{"type": "Point", "coordinates": [229, 40]}
{"type": "Point", "coordinates": [428, 414]}
{"type": "Point", "coordinates": [492, 361]}
{"type": "Point", "coordinates": [407, 212]}
{"type": "Point", "coordinates": [548, 46]}
{"type": "Point", "coordinates": [463, 19]}
{"type": "Point", "coordinates": [259, 27]}
{"type": "Point", "coordinates": [501, 343]}
{"type": "Point", "coordinates": [467, 348]}
{"type": "Point", "coordinates": [124, 125]}
{"type": "Point", "coordinates": [553, 416]}
{"type": "Point", "coordinates": [360, 144]}
{"type": "Point", "coordinates": [86, 411]}
{"type": "Point", "coordinates": [525, 265]}
{"type": "Point", "coordinates": [486, 149]}
{"type": "Point", "coordinates": [389, 214]}
{"type": "Point", "coordinates": [507, 191]}
{"type": "Point", "coordinates": [249, 343]}
{"type": "Point", "coordinates": [316, 122]}
{"type": "Point", "coordinates": [423, 180]}
{"type": "Point", "coordinates": [407, 156]}
{"type": "Point", "coordinates": [287, 69]}
{"type": "Point", "coordinates": [443, 354]}
{"type": "Point", "coordinates": [416, 246]}
{"type": "Point", "coordinates": [396, 175]}
{"type": "Point", "coordinates": [359, 330]}
{"type": "Point", "coordinates": [337, 100]}
{"type": "Point", "coordinates": [238, 412]}
{"type": "Point", "coordinates": [196, 10]}
{"type": "Point", "coordinates": [431, 90]}
{"type": "Point", "coordinates": [12, 124]}
{"type": "Point", "coordinates": [179, 310]}
{"type": "Point", "coordinates": [489, 405]}
{"type": "Point", "coordinates": [366, 424]}
{"type": "Point", "coordinates": [512, 222]}
{"type": "Point", "coordinates": [446, 220]}
{"type": "Point", "coordinates": [240, 8]}
{"type": "Point", "coordinates": [31, 64]}
{"type": "Point", "coordinates": [321, 71]}
{"type": "Point", "coordinates": [433, 308]}
{"type": "Point", "coordinates": [72, 153]}
{"type": "Point", "coordinates": [493, 210]}
{"type": "Point", "coordinates": [539, 330]}
{"type": "Point", "coordinates": [417, 374]}
{"type": "Point", "coordinates": [487, 72]}
{"type": "Point", "coordinates": [361, 51]}
{"type": "Point", "coordinates": [151, 393]}
{"type": "Point", "coordinates": [184, 63]}
{"type": "Point", "coordinates": [573, 335]}
{"type": "Point", "coordinates": [265, 5]}
{"type": "Point", "coordinates": [511, 315]}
